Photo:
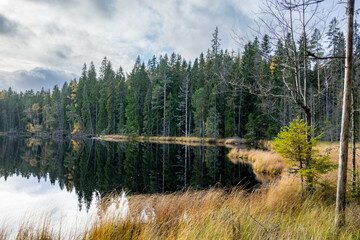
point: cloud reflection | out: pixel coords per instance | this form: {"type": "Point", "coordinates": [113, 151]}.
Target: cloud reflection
{"type": "Point", "coordinates": [23, 199]}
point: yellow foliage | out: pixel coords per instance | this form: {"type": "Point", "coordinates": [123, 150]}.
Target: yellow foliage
{"type": "Point", "coordinates": [272, 66]}
{"type": "Point", "coordinates": [32, 142]}
{"type": "Point", "coordinates": [74, 87]}
{"type": "Point", "coordinates": [33, 162]}
{"type": "Point", "coordinates": [73, 97]}
{"type": "Point", "coordinates": [30, 128]}
{"type": "Point", "coordinates": [77, 128]}
{"type": "Point", "coordinates": [75, 144]}
{"type": "Point", "coordinates": [35, 107]}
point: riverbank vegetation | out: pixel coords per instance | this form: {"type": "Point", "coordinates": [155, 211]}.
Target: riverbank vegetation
{"type": "Point", "coordinates": [191, 141]}
{"type": "Point", "coordinates": [285, 73]}
{"type": "Point", "coordinates": [278, 210]}
{"type": "Point", "coordinates": [263, 161]}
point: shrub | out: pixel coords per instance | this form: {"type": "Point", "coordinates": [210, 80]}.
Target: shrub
{"type": "Point", "coordinates": [297, 149]}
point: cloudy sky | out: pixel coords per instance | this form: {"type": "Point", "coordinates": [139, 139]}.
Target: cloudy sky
{"type": "Point", "coordinates": [46, 42]}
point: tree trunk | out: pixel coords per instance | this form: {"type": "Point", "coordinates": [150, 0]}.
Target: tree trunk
{"type": "Point", "coordinates": [239, 117]}
{"type": "Point", "coordinates": [96, 120]}
{"type": "Point", "coordinates": [308, 180]}
{"type": "Point", "coordinates": [353, 136]}
{"type": "Point", "coordinates": [345, 120]}
{"type": "Point", "coordinates": [186, 109]}
{"type": "Point", "coordinates": [189, 124]}
{"type": "Point", "coordinates": [185, 166]}
{"type": "Point", "coordinates": [164, 126]}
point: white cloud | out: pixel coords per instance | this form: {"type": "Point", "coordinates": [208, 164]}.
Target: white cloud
{"type": "Point", "coordinates": [36, 78]}
{"type": "Point", "coordinates": [63, 34]}
{"type": "Point", "coordinates": [24, 199]}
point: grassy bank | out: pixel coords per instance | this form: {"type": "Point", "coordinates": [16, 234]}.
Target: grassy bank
{"type": "Point", "coordinates": [192, 141]}
{"type": "Point", "coordinates": [263, 161]}
{"type": "Point", "coordinates": [269, 162]}
{"type": "Point", "coordinates": [276, 211]}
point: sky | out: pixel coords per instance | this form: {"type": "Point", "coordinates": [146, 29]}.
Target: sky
{"type": "Point", "coordinates": [46, 42]}
{"type": "Point", "coordinates": [23, 199]}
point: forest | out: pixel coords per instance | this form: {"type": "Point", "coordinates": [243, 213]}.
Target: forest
{"type": "Point", "coordinates": [220, 94]}
{"type": "Point", "coordinates": [95, 168]}
{"type": "Point", "coordinates": [175, 139]}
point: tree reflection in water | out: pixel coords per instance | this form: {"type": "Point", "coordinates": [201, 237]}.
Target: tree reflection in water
{"type": "Point", "coordinates": [92, 166]}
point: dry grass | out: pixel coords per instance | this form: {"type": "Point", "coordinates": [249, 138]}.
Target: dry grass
{"type": "Point", "coordinates": [192, 141]}
{"type": "Point", "coordinates": [277, 211]}
{"type": "Point", "coordinates": [271, 163]}
{"type": "Point", "coordinates": [235, 141]}
{"type": "Point", "coordinates": [38, 227]}
{"type": "Point", "coordinates": [29, 230]}
{"type": "Point", "coordinates": [268, 162]}
{"type": "Point", "coordinates": [3, 234]}
{"type": "Point", "coordinates": [332, 150]}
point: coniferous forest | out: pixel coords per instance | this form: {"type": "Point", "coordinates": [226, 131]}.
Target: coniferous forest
{"type": "Point", "coordinates": [247, 144]}
{"type": "Point", "coordinates": [220, 94]}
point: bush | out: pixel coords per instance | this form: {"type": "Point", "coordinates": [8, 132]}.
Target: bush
{"type": "Point", "coordinates": [293, 144]}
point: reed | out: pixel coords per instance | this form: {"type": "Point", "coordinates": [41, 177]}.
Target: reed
{"type": "Point", "coordinates": [192, 141]}
{"type": "Point", "coordinates": [263, 161]}
{"type": "Point", "coordinates": [278, 210]}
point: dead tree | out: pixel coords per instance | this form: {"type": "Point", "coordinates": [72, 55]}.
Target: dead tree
{"type": "Point", "coordinates": [345, 120]}
{"type": "Point", "coordinates": [288, 21]}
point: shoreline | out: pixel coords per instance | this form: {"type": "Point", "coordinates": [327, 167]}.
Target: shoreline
{"type": "Point", "coordinates": [193, 141]}
{"type": "Point", "coordinates": [279, 210]}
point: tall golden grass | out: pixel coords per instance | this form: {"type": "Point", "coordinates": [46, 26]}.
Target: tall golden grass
{"type": "Point", "coordinates": [192, 141]}
{"type": "Point", "coordinates": [277, 210]}
{"type": "Point", "coordinates": [269, 162]}
{"type": "Point", "coordinates": [263, 161]}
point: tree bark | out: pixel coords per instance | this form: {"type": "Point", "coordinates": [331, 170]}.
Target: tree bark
{"type": "Point", "coordinates": [164, 126]}
{"type": "Point", "coordinates": [353, 136]}
{"type": "Point", "coordinates": [345, 120]}
{"type": "Point", "coordinates": [186, 108]}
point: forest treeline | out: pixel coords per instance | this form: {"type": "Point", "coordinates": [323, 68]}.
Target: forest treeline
{"type": "Point", "coordinates": [94, 167]}
{"type": "Point", "coordinates": [219, 94]}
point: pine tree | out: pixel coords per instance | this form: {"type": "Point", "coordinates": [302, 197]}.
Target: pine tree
{"type": "Point", "coordinates": [138, 84]}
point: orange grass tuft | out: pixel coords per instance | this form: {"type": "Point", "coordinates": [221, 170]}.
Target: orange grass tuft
{"type": "Point", "coordinates": [279, 210]}
{"type": "Point", "coordinates": [263, 161]}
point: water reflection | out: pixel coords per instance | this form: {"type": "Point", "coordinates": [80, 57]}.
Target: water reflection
{"type": "Point", "coordinates": [94, 168]}
{"type": "Point", "coordinates": [30, 199]}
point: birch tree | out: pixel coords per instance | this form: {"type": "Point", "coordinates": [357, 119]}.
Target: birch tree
{"type": "Point", "coordinates": [345, 120]}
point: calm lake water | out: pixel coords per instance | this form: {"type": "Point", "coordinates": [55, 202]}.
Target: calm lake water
{"type": "Point", "coordinates": [67, 178]}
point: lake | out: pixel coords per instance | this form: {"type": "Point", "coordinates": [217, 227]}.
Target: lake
{"type": "Point", "coordinates": [67, 178]}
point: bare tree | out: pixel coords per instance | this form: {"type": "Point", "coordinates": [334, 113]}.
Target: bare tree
{"type": "Point", "coordinates": [345, 120]}
{"type": "Point", "coordinates": [291, 22]}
